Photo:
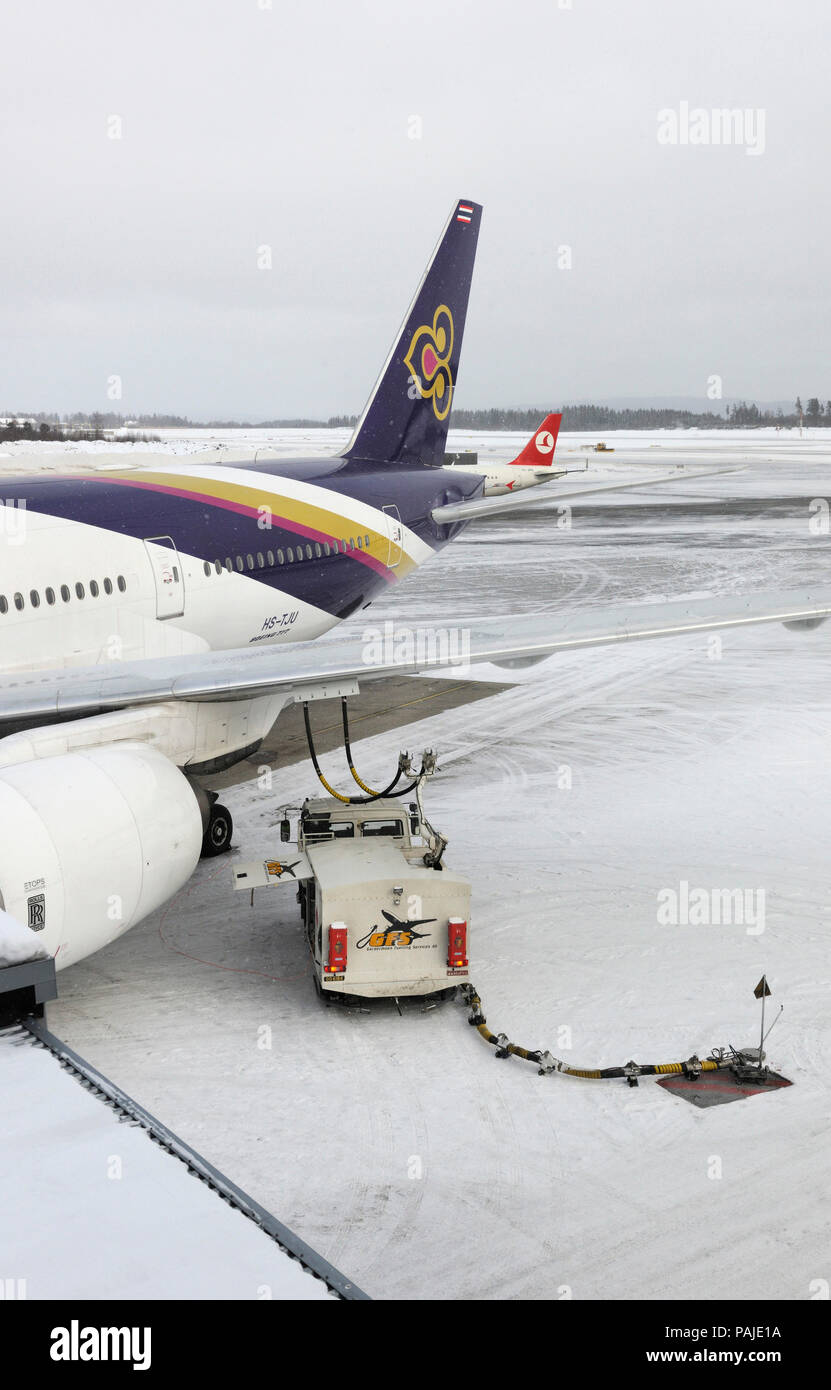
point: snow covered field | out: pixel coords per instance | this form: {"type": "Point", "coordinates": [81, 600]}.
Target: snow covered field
{"type": "Point", "coordinates": [399, 1147]}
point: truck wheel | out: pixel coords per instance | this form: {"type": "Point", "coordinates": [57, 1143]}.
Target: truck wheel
{"type": "Point", "coordinates": [326, 999]}
{"type": "Point", "coordinates": [217, 838]}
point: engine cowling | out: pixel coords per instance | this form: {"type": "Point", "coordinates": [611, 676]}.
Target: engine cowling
{"type": "Point", "coordinates": [92, 842]}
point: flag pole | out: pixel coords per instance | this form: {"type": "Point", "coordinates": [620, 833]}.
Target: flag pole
{"type": "Point", "coordinates": [762, 1033]}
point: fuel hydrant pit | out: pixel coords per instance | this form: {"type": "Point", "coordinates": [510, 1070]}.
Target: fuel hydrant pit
{"type": "Point", "coordinates": [723, 1086]}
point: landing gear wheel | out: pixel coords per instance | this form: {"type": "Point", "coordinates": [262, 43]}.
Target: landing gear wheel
{"type": "Point", "coordinates": [217, 837]}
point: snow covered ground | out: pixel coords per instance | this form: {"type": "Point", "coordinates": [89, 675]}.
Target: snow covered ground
{"type": "Point", "coordinates": [399, 1147]}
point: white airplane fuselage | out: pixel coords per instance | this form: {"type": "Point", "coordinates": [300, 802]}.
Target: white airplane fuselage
{"type": "Point", "coordinates": [100, 825]}
{"type": "Point", "coordinates": [283, 565]}
{"type": "Point", "coordinates": [506, 477]}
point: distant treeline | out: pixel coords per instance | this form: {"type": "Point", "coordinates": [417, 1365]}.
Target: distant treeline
{"type": "Point", "coordinates": [34, 424]}
{"type": "Point", "coordinates": [737, 415]}
{"type": "Point", "coordinates": [14, 429]}
{"type": "Point", "coordinates": [111, 420]}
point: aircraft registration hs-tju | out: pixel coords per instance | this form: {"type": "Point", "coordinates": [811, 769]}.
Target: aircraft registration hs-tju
{"type": "Point", "coordinates": [154, 622]}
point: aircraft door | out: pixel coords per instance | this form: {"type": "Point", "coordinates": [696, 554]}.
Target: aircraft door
{"type": "Point", "coordinates": [395, 534]}
{"type": "Point", "coordinates": [167, 575]}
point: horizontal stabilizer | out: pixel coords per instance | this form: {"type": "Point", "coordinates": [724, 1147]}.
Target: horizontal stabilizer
{"type": "Point", "coordinates": [481, 508]}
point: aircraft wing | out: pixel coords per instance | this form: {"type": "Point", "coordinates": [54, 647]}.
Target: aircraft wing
{"type": "Point", "coordinates": [483, 507]}
{"type": "Point", "coordinates": [313, 670]}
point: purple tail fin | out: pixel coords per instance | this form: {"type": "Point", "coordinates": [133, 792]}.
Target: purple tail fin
{"type": "Point", "coordinates": [406, 418]}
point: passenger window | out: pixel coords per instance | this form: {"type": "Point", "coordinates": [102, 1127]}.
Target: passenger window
{"type": "Point", "coordinates": [108, 586]}
{"type": "Point", "coordinates": [326, 549]}
{"type": "Point", "coordinates": [280, 557]}
{"type": "Point", "coordinates": [206, 566]}
{"type": "Point", "coordinates": [34, 598]}
{"type": "Point", "coordinates": [318, 551]}
{"type": "Point", "coordinates": [93, 587]}
{"type": "Point", "coordinates": [366, 542]}
{"type": "Point", "coordinates": [382, 827]}
{"type": "Point", "coordinates": [4, 604]}
{"type": "Point", "coordinates": [290, 554]}
{"type": "Point", "coordinates": [176, 573]}
{"type": "Point", "coordinates": [351, 543]}
{"type": "Point", "coordinates": [240, 565]}
{"type": "Point", "coordinates": [18, 602]}
{"type": "Point", "coordinates": [260, 560]}
{"type": "Point", "coordinates": [65, 593]}
{"type": "Point", "coordinates": [218, 566]}
{"type": "Point", "coordinates": [229, 564]}
{"type": "Point", "coordinates": [50, 595]}
{"type": "Point", "coordinates": [269, 555]}
{"type": "Point", "coordinates": [360, 543]}
{"type": "Point", "coordinates": [250, 561]}
{"type": "Point", "coordinates": [122, 583]}
{"type": "Point", "coordinates": [79, 589]}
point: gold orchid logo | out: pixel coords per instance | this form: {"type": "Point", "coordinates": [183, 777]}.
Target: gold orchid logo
{"type": "Point", "coordinates": [428, 358]}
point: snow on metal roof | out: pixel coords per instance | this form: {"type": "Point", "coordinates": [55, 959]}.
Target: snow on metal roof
{"type": "Point", "coordinates": [93, 1209]}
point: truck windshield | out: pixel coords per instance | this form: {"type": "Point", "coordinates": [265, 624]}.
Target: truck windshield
{"type": "Point", "coordinates": [320, 828]}
{"type": "Point", "coordinates": [382, 827]}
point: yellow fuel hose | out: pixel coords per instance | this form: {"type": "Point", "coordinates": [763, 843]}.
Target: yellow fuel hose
{"type": "Point", "coordinates": [546, 1063]}
{"type": "Point", "coordinates": [353, 800]}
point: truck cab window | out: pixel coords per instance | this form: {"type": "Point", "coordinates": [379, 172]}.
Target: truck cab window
{"type": "Point", "coordinates": [394, 827]}
{"type": "Point", "coordinates": [322, 828]}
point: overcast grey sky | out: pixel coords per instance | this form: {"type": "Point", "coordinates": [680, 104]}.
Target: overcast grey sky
{"type": "Point", "coordinates": [244, 126]}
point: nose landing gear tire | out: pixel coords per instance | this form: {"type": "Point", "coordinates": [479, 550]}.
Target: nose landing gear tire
{"type": "Point", "coordinates": [217, 837]}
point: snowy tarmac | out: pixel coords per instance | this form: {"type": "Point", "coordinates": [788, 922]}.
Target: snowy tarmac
{"type": "Point", "coordinates": [577, 801]}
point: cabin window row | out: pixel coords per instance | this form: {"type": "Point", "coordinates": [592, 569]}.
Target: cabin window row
{"type": "Point", "coordinates": [292, 554]}
{"type": "Point", "coordinates": [64, 592]}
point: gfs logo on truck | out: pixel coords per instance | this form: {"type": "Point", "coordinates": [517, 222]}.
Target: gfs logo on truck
{"type": "Point", "coordinates": [396, 934]}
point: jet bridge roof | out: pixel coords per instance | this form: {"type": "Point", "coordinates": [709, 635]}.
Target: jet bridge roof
{"type": "Point", "coordinates": [93, 1209]}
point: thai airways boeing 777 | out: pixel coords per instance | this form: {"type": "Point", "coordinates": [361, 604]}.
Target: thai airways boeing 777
{"type": "Point", "coordinates": [154, 622]}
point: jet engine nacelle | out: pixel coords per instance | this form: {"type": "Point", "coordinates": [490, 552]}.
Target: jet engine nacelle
{"type": "Point", "coordinates": [91, 842]}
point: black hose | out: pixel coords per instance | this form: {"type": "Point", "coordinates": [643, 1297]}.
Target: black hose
{"type": "Point", "coordinates": [351, 800]}
{"type": "Point", "coordinates": [372, 795]}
